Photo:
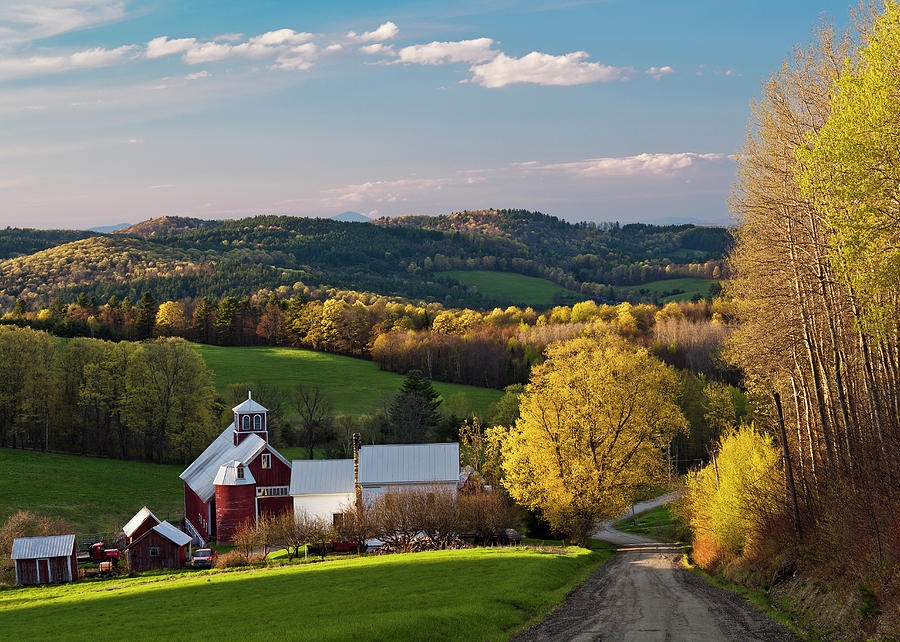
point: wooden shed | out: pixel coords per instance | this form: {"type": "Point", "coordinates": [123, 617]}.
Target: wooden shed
{"type": "Point", "coordinates": [45, 560]}
{"type": "Point", "coordinates": [142, 522]}
{"type": "Point", "coordinates": [163, 546]}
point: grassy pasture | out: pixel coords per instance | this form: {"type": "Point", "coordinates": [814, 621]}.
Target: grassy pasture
{"type": "Point", "coordinates": [688, 286]}
{"type": "Point", "coordinates": [354, 386]}
{"type": "Point", "coordinates": [657, 523]}
{"type": "Point", "coordinates": [510, 288]}
{"type": "Point", "coordinates": [90, 493]}
{"type": "Point", "coordinates": [477, 594]}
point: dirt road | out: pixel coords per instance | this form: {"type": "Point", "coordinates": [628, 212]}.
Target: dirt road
{"type": "Point", "coordinates": [644, 593]}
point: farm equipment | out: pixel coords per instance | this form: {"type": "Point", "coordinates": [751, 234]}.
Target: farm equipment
{"type": "Point", "coordinates": [104, 555]}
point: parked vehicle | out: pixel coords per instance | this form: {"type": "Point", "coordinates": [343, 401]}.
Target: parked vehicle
{"type": "Point", "coordinates": [509, 537]}
{"type": "Point", "coordinates": [204, 558]}
{"type": "Point", "coordinates": [100, 554]}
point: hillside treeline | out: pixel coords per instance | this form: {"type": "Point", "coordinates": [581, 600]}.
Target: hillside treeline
{"type": "Point", "coordinates": [185, 258]}
{"type": "Point", "coordinates": [817, 285]}
{"type": "Point", "coordinates": [151, 401]}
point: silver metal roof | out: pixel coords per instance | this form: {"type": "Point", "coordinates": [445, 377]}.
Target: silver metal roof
{"type": "Point", "coordinates": [137, 520]}
{"type": "Point", "coordinates": [227, 475]}
{"type": "Point", "coordinates": [201, 474]}
{"type": "Point", "coordinates": [408, 463]}
{"type": "Point", "coordinates": [173, 534]}
{"type": "Point", "coordinates": [29, 548]}
{"type": "Point", "coordinates": [321, 476]}
{"type": "Point", "coordinates": [249, 406]}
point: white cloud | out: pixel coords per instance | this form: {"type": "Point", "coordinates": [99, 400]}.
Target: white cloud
{"type": "Point", "coordinates": [198, 75]}
{"type": "Point", "coordinates": [162, 46]}
{"type": "Point", "coordinates": [297, 58]}
{"type": "Point", "coordinates": [659, 72]}
{"type": "Point", "coordinates": [334, 46]}
{"type": "Point", "coordinates": [28, 21]}
{"type": "Point", "coordinates": [385, 32]}
{"type": "Point", "coordinates": [281, 37]}
{"type": "Point", "coordinates": [545, 69]}
{"type": "Point", "coordinates": [660, 164]}
{"type": "Point", "coordinates": [397, 190]}
{"type": "Point", "coordinates": [86, 59]}
{"type": "Point", "coordinates": [207, 52]}
{"type": "Point", "coordinates": [377, 48]}
{"type": "Point", "coordinates": [439, 53]}
{"type": "Point", "coordinates": [229, 37]}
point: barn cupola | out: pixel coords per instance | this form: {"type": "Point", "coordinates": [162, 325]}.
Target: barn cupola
{"type": "Point", "coordinates": [250, 419]}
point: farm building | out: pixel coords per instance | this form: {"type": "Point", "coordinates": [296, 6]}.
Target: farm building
{"type": "Point", "coordinates": [246, 443]}
{"type": "Point", "coordinates": [161, 546]}
{"type": "Point", "coordinates": [323, 488]}
{"type": "Point", "coordinates": [45, 560]}
{"type": "Point", "coordinates": [142, 522]}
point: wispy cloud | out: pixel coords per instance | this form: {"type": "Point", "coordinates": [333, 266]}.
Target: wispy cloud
{"type": "Point", "coordinates": [441, 53]}
{"type": "Point", "coordinates": [85, 59]}
{"type": "Point", "coordinates": [384, 32]}
{"type": "Point", "coordinates": [659, 164]}
{"type": "Point", "coordinates": [25, 21]}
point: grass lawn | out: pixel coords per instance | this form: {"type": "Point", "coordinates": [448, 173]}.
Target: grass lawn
{"type": "Point", "coordinates": [672, 289]}
{"type": "Point", "coordinates": [510, 288]}
{"type": "Point", "coordinates": [92, 494]}
{"type": "Point", "coordinates": [477, 594]}
{"type": "Point", "coordinates": [658, 523]}
{"type": "Point", "coordinates": [354, 386]}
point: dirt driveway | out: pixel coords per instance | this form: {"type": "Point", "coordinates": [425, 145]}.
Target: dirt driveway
{"type": "Point", "coordinates": [644, 593]}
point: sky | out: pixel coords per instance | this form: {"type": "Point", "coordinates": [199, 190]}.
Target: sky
{"type": "Point", "coordinates": [115, 111]}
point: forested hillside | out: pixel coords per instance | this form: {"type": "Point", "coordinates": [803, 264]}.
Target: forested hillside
{"type": "Point", "coordinates": [179, 258]}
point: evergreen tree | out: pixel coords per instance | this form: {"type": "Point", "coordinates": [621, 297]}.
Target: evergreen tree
{"type": "Point", "coordinates": [414, 412]}
{"type": "Point", "coordinates": [146, 316]}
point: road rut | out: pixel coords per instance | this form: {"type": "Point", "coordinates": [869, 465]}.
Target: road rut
{"type": "Point", "coordinates": [645, 593]}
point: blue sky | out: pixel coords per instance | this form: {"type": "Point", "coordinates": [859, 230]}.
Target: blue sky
{"type": "Point", "coordinates": [115, 111]}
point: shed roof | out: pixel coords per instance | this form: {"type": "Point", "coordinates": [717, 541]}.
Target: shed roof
{"type": "Point", "coordinates": [28, 548]}
{"type": "Point", "coordinates": [137, 520]}
{"type": "Point", "coordinates": [227, 475]}
{"type": "Point", "coordinates": [249, 406]}
{"type": "Point", "coordinates": [173, 534]}
{"type": "Point", "coordinates": [408, 463]}
{"type": "Point", "coordinates": [201, 474]}
{"type": "Point", "coordinates": [321, 476]}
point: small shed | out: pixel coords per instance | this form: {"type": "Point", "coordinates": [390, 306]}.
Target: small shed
{"type": "Point", "coordinates": [322, 487]}
{"type": "Point", "coordinates": [163, 546]}
{"type": "Point", "coordinates": [142, 522]}
{"type": "Point", "coordinates": [45, 560]}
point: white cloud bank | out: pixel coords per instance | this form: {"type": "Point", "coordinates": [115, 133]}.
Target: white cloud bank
{"type": "Point", "coordinates": [384, 32]}
{"type": "Point", "coordinates": [441, 53]}
{"type": "Point", "coordinates": [660, 164]}
{"type": "Point", "coordinates": [86, 59]}
{"type": "Point", "coordinates": [545, 69]}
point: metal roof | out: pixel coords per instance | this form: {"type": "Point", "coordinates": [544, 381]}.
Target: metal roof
{"type": "Point", "coordinates": [29, 548]}
{"type": "Point", "coordinates": [408, 463]}
{"type": "Point", "coordinates": [173, 534]}
{"type": "Point", "coordinates": [137, 520]}
{"type": "Point", "coordinates": [201, 474]}
{"type": "Point", "coordinates": [249, 406]}
{"type": "Point", "coordinates": [321, 476]}
{"type": "Point", "coordinates": [227, 475]}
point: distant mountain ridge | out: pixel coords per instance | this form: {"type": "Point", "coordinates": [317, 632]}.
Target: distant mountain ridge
{"type": "Point", "coordinates": [165, 226]}
{"type": "Point", "coordinates": [351, 217]}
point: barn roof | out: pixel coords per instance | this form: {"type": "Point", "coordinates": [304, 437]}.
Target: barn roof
{"type": "Point", "coordinates": [408, 463]}
{"type": "Point", "coordinates": [28, 548]}
{"type": "Point", "coordinates": [227, 475]}
{"type": "Point", "coordinates": [201, 474]}
{"type": "Point", "coordinates": [168, 531]}
{"type": "Point", "coordinates": [249, 406]}
{"type": "Point", "coordinates": [321, 476]}
{"type": "Point", "coordinates": [137, 520]}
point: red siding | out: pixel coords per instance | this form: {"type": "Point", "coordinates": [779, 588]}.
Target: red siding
{"type": "Point", "coordinates": [170, 555]}
{"type": "Point", "coordinates": [28, 574]}
{"type": "Point", "coordinates": [234, 505]}
{"type": "Point", "coordinates": [198, 512]}
{"type": "Point", "coordinates": [276, 505]}
{"type": "Point", "coordinates": [278, 475]}
{"type": "Point", "coordinates": [145, 526]}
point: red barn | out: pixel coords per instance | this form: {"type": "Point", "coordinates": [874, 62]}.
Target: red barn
{"type": "Point", "coordinates": [245, 445]}
{"type": "Point", "coordinates": [142, 522]}
{"type": "Point", "coordinates": [162, 546]}
{"type": "Point", "coordinates": [45, 560]}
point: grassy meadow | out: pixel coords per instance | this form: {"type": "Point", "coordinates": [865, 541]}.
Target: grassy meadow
{"type": "Point", "coordinates": [659, 523]}
{"type": "Point", "coordinates": [510, 288]}
{"type": "Point", "coordinates": [688, 286]}
{"type": "Point", "coordinates": [353, 386]}
{"type": "Point", "coordinates": [475, 594]}
{"type": "Point", "coordinates": [93, 495]}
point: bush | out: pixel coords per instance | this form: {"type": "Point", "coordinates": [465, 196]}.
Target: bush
{"type": "Point", "coordinates": [232, 559]}
{"type": "Point", "coordinates": [484, 514]}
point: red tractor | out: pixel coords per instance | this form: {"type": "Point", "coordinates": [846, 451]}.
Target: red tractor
{"type": "Point", "coordinates": [100, 554]}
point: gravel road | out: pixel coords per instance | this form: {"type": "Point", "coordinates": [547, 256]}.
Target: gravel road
{"type": "Point", "coordinates": [644, 593]}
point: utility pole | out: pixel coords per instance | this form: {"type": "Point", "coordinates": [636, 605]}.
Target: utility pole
{"type": "Point", "coordinates": [788, 472]}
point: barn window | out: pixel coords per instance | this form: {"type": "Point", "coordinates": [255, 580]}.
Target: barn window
{"type": "Point", "coordinates": [257, 422]}
{"type": "Point", "coordinates": [267, 461]}
{"type": "Point", "coordinates": [240, 472]}
{"type": "Point", "coordinates": [245, 422]}
{"type": "Point", "coordinates": [154, 551]}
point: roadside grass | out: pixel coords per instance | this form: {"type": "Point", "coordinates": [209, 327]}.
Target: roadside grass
{"type": "Point", "coordinates": [671, 289]}
{"type": "Point", "coordinates": [473, 594]}
{"type": "Point", "coordinates": [657, 523]}
{"type": "Point", "coordinates": [353, 386]}
{"type": "Point", "coordinates": [92, 494]}
{"type": "Point", "coordinates": [510, 288]}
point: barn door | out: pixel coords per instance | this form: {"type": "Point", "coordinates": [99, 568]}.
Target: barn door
{"type": "Point", "coordinates": [43, 567]}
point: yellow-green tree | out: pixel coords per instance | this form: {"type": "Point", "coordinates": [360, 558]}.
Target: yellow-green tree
{"type": "Point", "coordinates": [170, 319]}
{"type": "Point", "coordinates": [595, 421]}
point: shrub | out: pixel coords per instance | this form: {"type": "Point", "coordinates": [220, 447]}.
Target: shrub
{"type": "Point", "coordinates": [484, 514]}
{"type": "Point", "coordinates": [232, 559]}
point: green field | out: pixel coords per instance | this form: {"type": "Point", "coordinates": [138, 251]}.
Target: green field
{"type": "Point", "coordinates": [93, 495]}
{"type": "Point", "coordinates": [659, 523]}
{"type": "Point", "coordinates": [509, 288]}
{"type": "Point", "coordinates": [666, 288]}
{"type": "Point", "coordinates": [353, 386]}
{"type": "Point", "coordinates": [476, 594]}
